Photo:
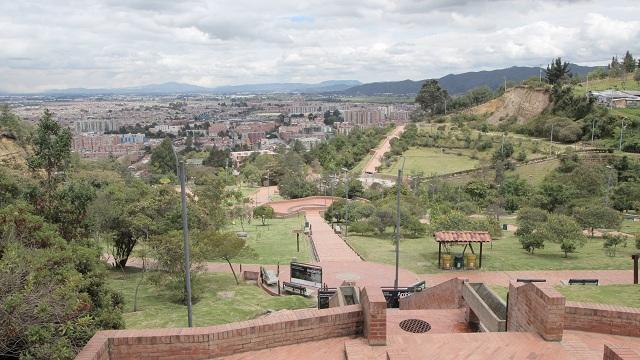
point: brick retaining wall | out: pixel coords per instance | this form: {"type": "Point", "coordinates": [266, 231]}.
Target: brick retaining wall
{"type": "Point", "coordinates": [222, 340]}
{"type": "Point", "coordinates": [446, 295]}
{"type": "Point", "coordinates": [536, 307]}
{"type": "Point", "coordinates": [601, 318]}
{"type": "Point", "coordinates": [617, 352]}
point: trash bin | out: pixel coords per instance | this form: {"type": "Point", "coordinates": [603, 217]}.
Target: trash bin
{"type": "Point", "coordinates": [470, 262]}
{"type": "Point", "coordinates": [446, 261]}
{"type": "Point", "coordinates": [504, 227]}
{"type": "Point", "coordinates": [458, 261]}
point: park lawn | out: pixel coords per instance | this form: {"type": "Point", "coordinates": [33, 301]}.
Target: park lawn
{"type": "Point", "coordinates": [274, 242]}
{"type": "Point", "coordinates": [630, 226]}
{"type": "Point", "coordinates": [221, 301]}
{"type": "Point", "coordinates": [421, 255]}
{"type": "Point", "coordinates": [624, 295]}
{"type": "Point", "coordinates": [535, 173]}
{"type": "Point", "coordinates": [432, 161]}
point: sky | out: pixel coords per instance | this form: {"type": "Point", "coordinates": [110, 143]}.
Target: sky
{"type": "Point", "coordinates": [57, 44]}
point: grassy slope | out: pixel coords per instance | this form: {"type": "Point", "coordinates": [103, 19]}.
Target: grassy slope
{"type": "Point", "coordinates": [605, 84]}
{"type": "Point", "coordinates": [433, 161]}
{"type": "Point", "coordinates": [222, 301]}
{"type": "Point", "coordinates": [421, 255]}
{"type": "Point", "coordinates": [274, 242]}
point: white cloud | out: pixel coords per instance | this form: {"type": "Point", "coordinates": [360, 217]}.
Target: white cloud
{"type": "Point", "coordinates": [108, 43]}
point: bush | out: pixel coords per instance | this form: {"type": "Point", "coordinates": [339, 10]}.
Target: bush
{"type": "Point", "coordinates": [361, 227]}
{"type": "Point", "coordinates": [530, 242]}
{"type": "Point", "coordinates": [611, 243]}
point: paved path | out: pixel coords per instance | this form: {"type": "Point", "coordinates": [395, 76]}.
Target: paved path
{"type": "Point", "coordinates": [376, 159]}
{"type": "Point", "coordinates": [263, 194]}
{"type": "Point", "coordinates": [329, 246]}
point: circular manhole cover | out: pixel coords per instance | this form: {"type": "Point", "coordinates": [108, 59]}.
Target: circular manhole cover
{"type": "Point", "coordinates": [415, 326]}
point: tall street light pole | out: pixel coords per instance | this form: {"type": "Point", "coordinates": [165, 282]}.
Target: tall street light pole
{"type": "Point", "coordinates": [346, 195]}
{"type": "Point", "coordinates": [398, 185]}
{"type": "Point", "coordinates": [185, 237]}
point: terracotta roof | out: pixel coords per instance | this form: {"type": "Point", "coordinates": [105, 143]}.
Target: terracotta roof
{"type": "Point", "coordinates": [462, 236]}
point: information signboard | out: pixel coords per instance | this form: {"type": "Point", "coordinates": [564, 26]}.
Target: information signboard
{"type": "Point", "coordinates": [306, 274]}
{"type": "Point", "coordinates": [324, 295]}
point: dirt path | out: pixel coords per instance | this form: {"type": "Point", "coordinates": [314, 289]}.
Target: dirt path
{"type": "Point", "coordinates": [376, 160]}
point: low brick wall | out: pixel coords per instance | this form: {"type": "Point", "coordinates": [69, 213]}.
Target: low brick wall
{"type": "Point", "coordinates": [446, 295]}
{"type": "Point", "coordinates": [617, 352]}
{"type": "Point", "coordinates": [601, 318]}
{"type": "Point", "coordinates": [374, 309]}
{"type": "Point", "coordinates": [223, 340]}
{"type": "Point", "coordinates": [536, 307]}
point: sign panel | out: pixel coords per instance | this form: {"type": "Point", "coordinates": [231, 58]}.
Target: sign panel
{"type": "Point", "coordinates": [323, 297]}
{"type": "Point", "coordinates": [306, 274]}
{"type": "Point", "coordinates": [393, 295]}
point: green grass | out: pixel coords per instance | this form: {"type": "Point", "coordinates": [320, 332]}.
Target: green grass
{"type": "Point", "coordinates": [421, 255]}
{"type": "Point", "coordinates": [630, 226]}
{"type": "Point", "coordinates": [625, 295]}
{"type": "Point", "coordinates": [535, 173]}
{"type": "Point", "coordinates": [274, 242]}
{"type": "Point", "coordinates": [433, 161]}
{"type": "Point", "coordinates": [605, 84]}
{"type": "Point", "coordinates": [221, 301]}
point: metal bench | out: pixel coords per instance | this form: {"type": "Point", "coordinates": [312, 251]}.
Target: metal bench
{"type": "Point", "coordinates": [531, 280]}
{"type": "Point", "coordinates": [583, 281]}
{"type": "Point", "coordinates": [294, 288]}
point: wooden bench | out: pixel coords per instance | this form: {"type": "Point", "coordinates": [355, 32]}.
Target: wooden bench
{"type": "Point", "coordinates": [294, 288]}
{"type": "Point", "coordinates": [583, 281]}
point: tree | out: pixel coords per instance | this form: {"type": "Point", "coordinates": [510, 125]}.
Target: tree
{"type": "Point", "coordinates": [628, 63]}
{"type": "Point", "coordinates": [263, 212]}
{"type": "Point", "coordinates": [223, 245]}
{"type": "Point", "coordinates": [163, 160]}
{"type": "Point", "coordinates": [611, 243]}
{"type": "Point", "coordinates": [557, 71]}
{"type": "Point", "coordinates": [51, 153]}
{"type": "Point", "coordinates": [431, 97]}
{"type": "Point", "coordinates": [294, 187]}
{"type": "Point", "coordinates": [626, 196]}
{"type": "Point", "coordinates": [530, 221]}
{"type": "Point", "coordinates": [382, 218]}
{"type": "Point", "coordinates": [598, 216]}
{"type": "Point", "coordinates": [217, 158]}
{"type": "Point", "coordinates": [563, 230]}
{"type": "Point", "coordinates": [532, 241]}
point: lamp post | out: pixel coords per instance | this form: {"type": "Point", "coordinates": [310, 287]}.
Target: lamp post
{"type": "Point", "coordinates": [398, 185]}
{"type": "Point", "coordinates": [185, 234]}
{"type": "Point", "coordinates": [346, 195]}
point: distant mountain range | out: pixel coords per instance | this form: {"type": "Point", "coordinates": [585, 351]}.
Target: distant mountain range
{"type": "Point", "coordinates": [457, 84]}
{"type": "Point", "coordinates": [180, 88]}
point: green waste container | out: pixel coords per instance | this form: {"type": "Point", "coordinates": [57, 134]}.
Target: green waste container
{"type": "Point", "coordinates": [458, 261]}
{"type": "Point", "coordinates": [504, 227]}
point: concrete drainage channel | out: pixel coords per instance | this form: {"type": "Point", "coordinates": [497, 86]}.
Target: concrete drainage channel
{"type": "Point", "coordinates": [415, 326]}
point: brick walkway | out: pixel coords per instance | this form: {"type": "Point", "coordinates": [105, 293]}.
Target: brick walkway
{"type": "Point", "coordinates": [329, 246]}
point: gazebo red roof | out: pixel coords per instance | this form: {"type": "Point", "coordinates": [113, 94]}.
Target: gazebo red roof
{"type": "Point", "coordinates": [462, 236]}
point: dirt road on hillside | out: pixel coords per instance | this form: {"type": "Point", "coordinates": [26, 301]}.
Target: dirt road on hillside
{"type": "Point", "coordinates": [376, 160]}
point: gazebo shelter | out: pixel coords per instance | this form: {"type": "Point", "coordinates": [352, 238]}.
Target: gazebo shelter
{"type": "Point", "coordinates": [461, 237]}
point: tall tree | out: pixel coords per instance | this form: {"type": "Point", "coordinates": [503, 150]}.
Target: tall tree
{"type": "Point", "coordinates": [557, 71]}
{"type": "Point", "coordinates": [598, 216]}
{"type": "Point", "coordinates": [432, 97]}
{"type": "Point", "coordinates": [224, 246]}
{"type": "Point", "coordinates": [163, 160]}
{"type": "Point", "coordinates": [628, 63]}
{"type": "Point", "coordinates": [52, 150]}
{"type": "Point", "coordinates": [563, 230]}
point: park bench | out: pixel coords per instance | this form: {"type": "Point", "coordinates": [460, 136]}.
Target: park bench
{"type": "Point", "coordinates": [583, 281]}
{"type": "Point", "coordinates": [530, 280]}
{"type": "Point", "coordinates": [269, 276]}
{"type": "Point", "coordinates": [294, 288]}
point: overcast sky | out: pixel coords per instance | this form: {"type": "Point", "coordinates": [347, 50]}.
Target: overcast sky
{"type": "Point", "coordinates": [48, 44]}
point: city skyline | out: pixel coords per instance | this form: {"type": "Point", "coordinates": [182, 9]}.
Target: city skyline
{"type": "Point", "coordinates": [115, 43]}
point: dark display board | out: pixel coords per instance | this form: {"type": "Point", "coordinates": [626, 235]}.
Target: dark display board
{"type": "Point", "coordinates": [306, 274]}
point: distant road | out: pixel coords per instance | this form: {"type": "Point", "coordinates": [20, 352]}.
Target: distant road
{"type": "Point", "coordinates": [384, 146]}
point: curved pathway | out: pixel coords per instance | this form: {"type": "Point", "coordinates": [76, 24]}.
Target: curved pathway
{"type": "Point", "coordinates": [376, 160]}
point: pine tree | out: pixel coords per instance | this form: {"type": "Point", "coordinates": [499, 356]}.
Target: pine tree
{"type": "Point", "coordinates": [557, 71]}
{"type": "Point", "coordinates": [629, 63]}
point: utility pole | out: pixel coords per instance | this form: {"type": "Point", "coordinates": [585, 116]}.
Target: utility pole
{"type": "Point", "coordinates": [185, 237]}
{"type": "Point", "coordinates": [621, 131]}
{"type": "Point", "coordinates": [346, 216]}
{"type": "Point", "coordinates": [540, 79]}
{"type": "Point", "coordinates": [551, 140]}
{"type": "Point", "coordinates": [593, 129]}
{"type": "Point", "coordinates": [445, 106]}
{"type": "Point", "coordinates": [398, 185]}
{"type": "Point", "coordinates": [505, 84]}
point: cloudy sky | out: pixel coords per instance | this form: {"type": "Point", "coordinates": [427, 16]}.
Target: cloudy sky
{"type": "Point", "coordinates": [112, 43]}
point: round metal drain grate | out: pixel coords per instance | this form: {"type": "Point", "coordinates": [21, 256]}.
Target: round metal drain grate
{"type": "Point", "coordinates": [415, 326]}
